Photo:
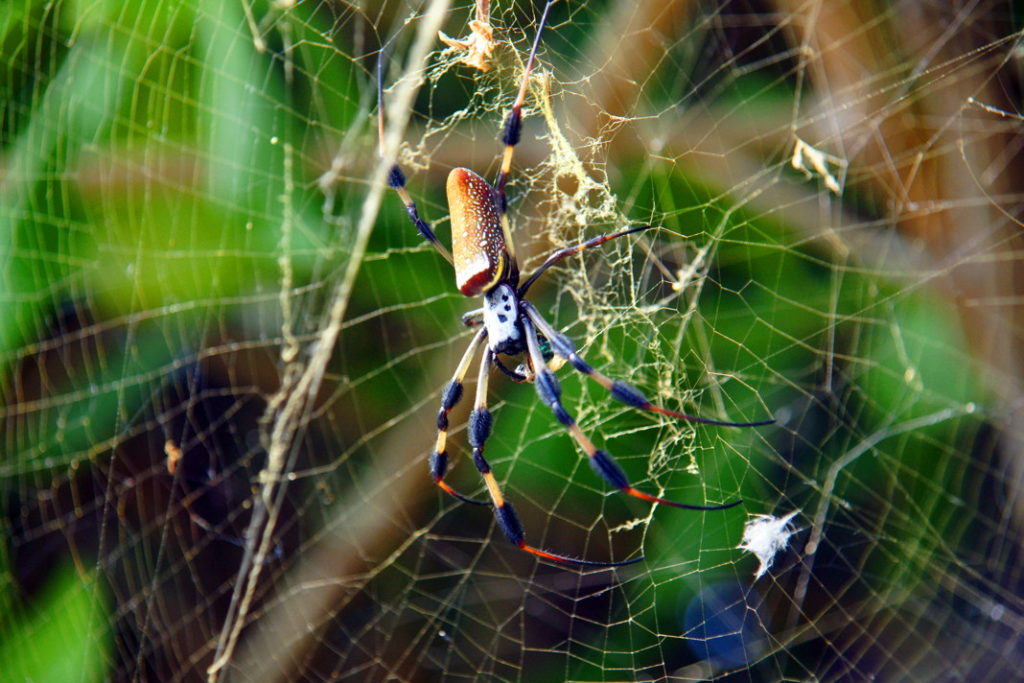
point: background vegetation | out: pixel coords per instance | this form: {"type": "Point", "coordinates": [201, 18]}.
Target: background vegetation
{"type": "Point", "coordinates": [222, 342]}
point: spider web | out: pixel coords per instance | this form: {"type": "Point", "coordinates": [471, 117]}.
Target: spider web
{"type": "Point", "coordinates": [223, 342]}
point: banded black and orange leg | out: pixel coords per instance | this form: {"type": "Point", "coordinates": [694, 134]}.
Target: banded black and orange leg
{"type": "Point", "coordinates": [450, 396]}
{"type": "Point", "coordinates": [396, 178]}
{"type": "Point", "coordinates": [550, 392]}
{"type": "Point", "coordinates": [512, 129]}
{"type": "Point", "coordinates": [480, 421]}
{"type": "Point", "coordinates": [621, 391]}
{"type": "Point", "coordinates": [557, 256]}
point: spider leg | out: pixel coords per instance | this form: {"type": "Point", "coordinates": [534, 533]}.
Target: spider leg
{"type": "Point", "coordinates": [480, 421]}
{"type": "Point", "coordinates": [621, 391]}
{"type": "Point", "coordinates": [396, 178]}
{"type": "Point", "coordinates": [550, 392]}
{"type": "Point", "coordinates": [511, 374]}
{"type": "Point", "coordinates": [450, 396]}
{"type": "Point", "coordinates": [557, 256]}
{"type": "Point", "coordinates": [513, 128]}
{"type": "Point", "coordinates": [473, 318]}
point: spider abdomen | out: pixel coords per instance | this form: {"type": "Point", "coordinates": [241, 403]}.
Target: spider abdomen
{"type": "Point", "coordinates": [481, 256]}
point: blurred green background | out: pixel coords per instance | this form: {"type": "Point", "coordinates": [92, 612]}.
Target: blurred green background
{"type": "Point", "coordinates": [184, 188]}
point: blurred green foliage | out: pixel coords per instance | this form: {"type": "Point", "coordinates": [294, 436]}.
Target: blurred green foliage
{"type": "Point", "coordinates": [62, 636]}
{"type": "Point", "coordinates": [159, 163]}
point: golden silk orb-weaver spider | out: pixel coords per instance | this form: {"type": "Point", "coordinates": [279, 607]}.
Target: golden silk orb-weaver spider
{"type": "Point", "coordinates": [485, 266]}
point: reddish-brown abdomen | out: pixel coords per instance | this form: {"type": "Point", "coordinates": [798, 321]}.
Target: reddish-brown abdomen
{"type": "Point", "coordinates": [478, 242]}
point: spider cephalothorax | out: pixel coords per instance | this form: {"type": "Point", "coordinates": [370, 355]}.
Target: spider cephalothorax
{"type": "Point", "coordinates": [501, 320]}
{"type": "Point", "coordinates": [485, 266]}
